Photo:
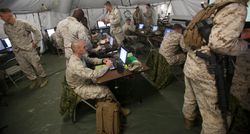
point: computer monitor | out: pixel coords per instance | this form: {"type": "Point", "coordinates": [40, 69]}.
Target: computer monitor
{"type": "Point", "coordinates": [141, 26]}
{"type": "Point", "coordinates": [101, 24]}
{"type": "Point", "coordinates": [123, 55]}
{"type": "Point", "coordinates": [154, 28]}
{"type": "Point", "coordinates": [167, 30]}
{"type": "Point", "coordinates": [211, 1]}
{"type": "Point", "coordinates": [111, 41]}
{"type": "Point", "coordinates": [1, 46]}
{"type": "Point", "coordinates": [50, 31]}
{"type": "Point", "coordinates": [7, 42]}
{"type": "Point", "coordinates": [248, 12]}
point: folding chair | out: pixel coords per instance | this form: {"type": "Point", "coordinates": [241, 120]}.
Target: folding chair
{"type": "Point", "coordinates": [69, 102]}
{"type": "Point", "coordinates": [11, 69]}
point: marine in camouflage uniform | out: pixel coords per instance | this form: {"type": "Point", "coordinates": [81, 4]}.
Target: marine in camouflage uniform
{"type": "Point", "coordinates": [80, 77]}
{"type": "Point", "coordinates": [200, 85]}
{"type": "Point", "coordinates": [69, 30]}
{"type": "Point", "coordinates": [170, 47]}
{"type": "Point", "coordinates": [148, 16]}
{"type": "Point", "coordinates": [114, 18]}
{"type": "Point", "coordinates": [24, 47]}
{"type": "Point", "coordinates": [128, 27]}
{"type": "Point", "coordinates": [137, 16]}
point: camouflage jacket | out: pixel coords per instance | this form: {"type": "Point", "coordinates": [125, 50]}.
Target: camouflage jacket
{"type": "Point", "coordinates": [138, 17]}
{"type": "Point", "coordinates": [127, 29]}
{"type": "Point", "coordinates": [148, 17]}
{"type": "Point", "coordinates": [115, 21]}
{"type": "Point", "coordinates": [228, 24]}
{"type": "Point", "coordinates": [78, 74]}
{"type": "Point", "coordinates": [69, 30]}
{"type": "Point", "coordinates": [171, 50]}
{"type": "Point", "coordinates": [20, 35]}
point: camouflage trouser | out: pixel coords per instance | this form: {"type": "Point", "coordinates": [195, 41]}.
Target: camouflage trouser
{"type": "Point", "coordinates": [29, 62]}
{"type": "Point", "coordinates": [204, 94]}
{"type": "Point", "coordinates": [93, 92]}
{"type": "Point", "coordinates": [119, 38]}
{"type": "Point", "coordinates": [241, 117]}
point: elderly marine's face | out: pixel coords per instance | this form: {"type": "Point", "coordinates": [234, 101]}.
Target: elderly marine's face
{"type": "Point", "coordinates": [82, 48]}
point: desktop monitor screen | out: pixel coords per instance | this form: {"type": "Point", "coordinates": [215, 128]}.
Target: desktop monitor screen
{"type": "Point", "coordinates": [50, 31]}
{"type": "Point", "coordinates": [1, 46]}
{"type": "Point", "coordinates": [167, 30]}
{"type": "Point", "coordinates": [141, 26]}
{"type": "Point", "coordinates": [7, 42]}
{"type": "Point", "coordinates": [111, 41]}
{"type": "Point", "coordinates": [101, 24]}
{"type": "Point", "coordinates": [154, 28]}
{"type": "Point", "coordinates": [123, 55]}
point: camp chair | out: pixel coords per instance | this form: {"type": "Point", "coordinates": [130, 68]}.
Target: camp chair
{"type": "Point", "coordinates": [69, 102]}
{"type": "Point", "coordinates": [12, 69]}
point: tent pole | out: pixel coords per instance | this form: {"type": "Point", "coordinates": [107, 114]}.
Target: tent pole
{"type": "Point", "coordinates": [88, 18]}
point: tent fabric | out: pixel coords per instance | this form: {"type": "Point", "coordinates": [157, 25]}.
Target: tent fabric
{"type": "Point", "coordinates": [50, 12]}
{"type": "Point", "coordinates": [31, 6]}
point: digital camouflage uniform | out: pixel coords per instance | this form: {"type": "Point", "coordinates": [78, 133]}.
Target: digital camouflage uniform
{"type": "Point", "coordinates": [80, 77]}
{"type": "Point", "coordinates": [69, 30]}
{"type": "Point", "coordinates": [115, 25]}
{"type": "Point", "coordinates": [138, 17]}
{"type": "Point", "coordinates": [171, 50]}
{"type": "Point", "coordinates": [148, 20]}
{"type": "Point", "coordinates": [240, 100]}
{"type": "Point", "coordinates": [21, 40]}
{"type": "Point", "coordinates": [128, 29]}
{"type": "Point", "coordinates": [200, 85]}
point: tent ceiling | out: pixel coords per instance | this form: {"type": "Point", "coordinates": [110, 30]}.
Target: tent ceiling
{"type": "Point", "coordinates": [37, 5]}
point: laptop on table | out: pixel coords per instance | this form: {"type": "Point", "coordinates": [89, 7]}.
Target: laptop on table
{"type": "Point", "coordinates": [121, 60]}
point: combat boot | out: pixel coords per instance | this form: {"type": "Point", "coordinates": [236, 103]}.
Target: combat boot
{"type": "Point", "coordinates": [43, 81]}
{"type": "Point", "coordinates": [125, 111]}
{"type": "Point", "coordinates": [189, 124]}
{"type": "Point", "coordinates": [34, 84]}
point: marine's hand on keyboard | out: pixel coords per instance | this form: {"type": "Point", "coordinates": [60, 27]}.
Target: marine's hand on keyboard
{"type": "Point", "coordinates": [105, 60]}
{"type": "Point", "coordinates": [108, 63]}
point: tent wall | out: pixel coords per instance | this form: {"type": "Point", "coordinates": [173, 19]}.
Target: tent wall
{"type": "Point", "coordinates": [93, 10]}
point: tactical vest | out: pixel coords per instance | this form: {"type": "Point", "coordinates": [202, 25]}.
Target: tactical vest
{"type": "Point", "coordinates": [192, 37]}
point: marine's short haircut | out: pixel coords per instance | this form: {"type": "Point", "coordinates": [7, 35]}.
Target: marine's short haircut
{"type": "Point", "coordinates": [108, 3]}
{"type": "Point", "coordinates": [5, 10]}
{"type": "Point", "coordinates": [177, 26]}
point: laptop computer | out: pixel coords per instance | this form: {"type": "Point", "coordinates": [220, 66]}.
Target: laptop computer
{"type": "Point", "coordinates": [167, 30]}
{"type": "Point", "coordinates": [7, 44]}
{"type": "Point", "coordinates": [111, 41]}
{"type": "Point", "coordinates": [2, 47]}
{"type": "Point", "coordinates": [154, 28]}
{"type": "Point", "coordinates": [119, 62]}
{"type": "Point", "coordinates": [140, 26]}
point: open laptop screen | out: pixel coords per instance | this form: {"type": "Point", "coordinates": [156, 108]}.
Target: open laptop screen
{"type": "Point", "coordinates": [123, 55]}
{"type": "Point", "coordinates": [154, 28]}
{"type": "Point", "coordinates": [1, 46]}
{"type": "Point", "coordinates": [167, 30]}
{"type": "Point", "coordinates": [50, 31]}
{"type": "Point", "coordinates": [7, 42]}
{"type": "Point", "coordinates": [141, 26]}
{"type": "Point", "coordinates": [111, 41]}
{"type": "Point", "coordinates": [101, 24]}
